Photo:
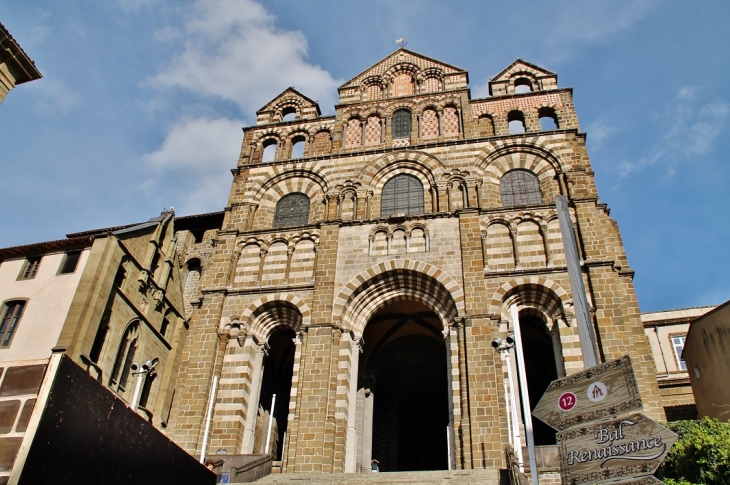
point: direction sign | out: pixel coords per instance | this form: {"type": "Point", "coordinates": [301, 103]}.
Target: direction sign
{"type": "Point", "coordinates": [645, 480]}
{"type": "Point", "coordinates": [613, 449]}
{"type": "Point", "coordinates": [600, 392]}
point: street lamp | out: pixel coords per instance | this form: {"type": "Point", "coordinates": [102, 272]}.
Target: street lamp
{"type": "Point", "coordinates": [148, 368]}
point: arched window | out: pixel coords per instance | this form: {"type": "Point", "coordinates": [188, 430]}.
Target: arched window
{"type": "Point", "coordinates": [269, 151]}
{"type": "Point", "coordinates": [292, 210]}
{"type": "Point", "coordinates": [401, 124]}
{"type": "Point", "coordinates": [522, 85]}
{"type": "Point", "coordinates": [516, 122]}
{"type": "Point", "coordinates": [297, 147]}
{"type": "Point", "coordinates": [548, 119]}
{"type": "Point", "coordinates": [520, 187]}
{"type": "Point", "coordinates": [122, 371]}
{"type": "Point", "coordinates": [12, 312]}
{"type": "Point", "coordinates": [289, 114]}
{"type": "Point", "coordinates": [403, 194]}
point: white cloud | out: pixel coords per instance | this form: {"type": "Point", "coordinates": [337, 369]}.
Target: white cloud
{"type": "Point", "coordinates": [53, 97]}
{"type": "Point", "coordinates": [229, 50]}
{"type": "Point", "coordinates": [200, 151]}
{"type": "Point", "coordinates": [599, 131]}
{"type": "Point", "coordinates": [688, 132]}
{"type": "Point", "coordinates": [596, 21]}
{"type": "Point", "coordinates": [233, 51]}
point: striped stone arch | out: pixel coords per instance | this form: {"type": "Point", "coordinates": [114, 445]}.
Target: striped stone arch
{"type": "Point", "coordinates": [260, 183]}
{"type": "Point", "coordinates": [271, 311]}
{"type": "Point", "coordinates": [504, 158]}
{"type": "Point", "coordinates": [397, 280]}
{"type": "Point", "coordinates": [536, 292]}
{"type": "Point", "coordinates": [429, 167]}
{"type": "Point", "coordinates": [389, 109]}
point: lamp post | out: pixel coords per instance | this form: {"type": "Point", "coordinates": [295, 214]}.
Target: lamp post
{"type": "Point", "coordinates": [148, 368]}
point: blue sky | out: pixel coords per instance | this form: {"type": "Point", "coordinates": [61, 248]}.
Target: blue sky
{"type": "Point", "coordinates": [142, 103]}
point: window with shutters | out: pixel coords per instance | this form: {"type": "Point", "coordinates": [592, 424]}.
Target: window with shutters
{"type": "Point", "coordinates": [11, 314]}
{"type": "Point", "coordinates": [403, 194]}
{"type": "Point", "coordinates": [520, 187]}
{"type": "Point", "coordinates": [292, 210]}
{"type": "Point", "coordinates": [401, 124]}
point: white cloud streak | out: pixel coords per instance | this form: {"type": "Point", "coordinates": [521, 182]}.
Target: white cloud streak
{"type": "Point", "coordinates": [53, 97]}
{"type": "Point", "coordinates": [201, 151]}
{"type": "Point", "coordinates": [688, 132]}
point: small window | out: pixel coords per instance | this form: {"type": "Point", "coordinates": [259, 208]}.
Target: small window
{"type": "Point", "coordinates": [548, 119]}
{"type": "Point", "coordinates": [401, 124]}
{"type": "Point", "coordinates": [11, 318]}
{"type": "Point", "coordinates": [70, 261]}
{"type": "Point", "coordinates": [100, 338]}
{"type": "Point", "coordinates": [30, 269]}
{"type": "Point", "coordinates": [297, 148]}
{"type": "Point", "coordinates": [292, 210]}
{"type": "Point", "coordinates": [120, 276]}
{"type": "Point", "coordinates": [288, 114]}
{"type": "Point", "coordinates": [269, 151]}
{"type": "Point", "coordinates": [520, 187]}
{"type": "Point", "coordinates": [164, 326]}
{"type": "Point", "coordinates": [523, 85]}
{"type": "Point", "coordinates": [516, 122]}
{"type": "Point", "coordinates": [678, 344]}
{"type": "Point", "coordinates": [403, 194]}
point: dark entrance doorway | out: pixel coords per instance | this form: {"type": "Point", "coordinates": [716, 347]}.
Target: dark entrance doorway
{"type": "Point", "coordinates": [404, 364]}
{"type": "Point", "coordinates": [278, 370]}
{"type": "Point", "coordinates": [540, 368]}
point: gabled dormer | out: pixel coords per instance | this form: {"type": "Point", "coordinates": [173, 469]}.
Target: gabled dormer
{"type": "Point", "coordinates": [402, 73]}
{"type": "Point", "coordinates": [289, 102]}
{"type": "Point", "coordinates": [522, 77]}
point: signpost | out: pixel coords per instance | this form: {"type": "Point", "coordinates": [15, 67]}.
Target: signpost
{"type": "Point", "coordinates": [618, 448]}
{"type": "Point", "coordinates": [598, 441]}
{"type": "Point", "coordinates": [602, 391]}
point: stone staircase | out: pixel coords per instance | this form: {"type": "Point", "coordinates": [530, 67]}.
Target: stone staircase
{"type": "Point", "coordinates": [461, 477]}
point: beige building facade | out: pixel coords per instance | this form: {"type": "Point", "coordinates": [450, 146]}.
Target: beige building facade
{"type": "Point", "coordinates": [708, 363]}
{"type": "Point", "coordinates": [366, 261]}
{"type": "Point", "coordinates": [667, 332]}
{"type": "Point", "coordinates": [107, 299]}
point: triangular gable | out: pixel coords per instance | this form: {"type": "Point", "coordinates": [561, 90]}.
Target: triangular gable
{"type": "Point", "coordinates": [398, 57]}
{"type": "Point", "coordinates": [292, 97]}
{"type": "Point", "coordinates": [521, 66]}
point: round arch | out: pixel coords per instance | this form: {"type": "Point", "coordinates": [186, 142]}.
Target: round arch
{"type": "Point", "coordinates": [393, 281]}
{"type": "Point", "coordinates": [534, 292]}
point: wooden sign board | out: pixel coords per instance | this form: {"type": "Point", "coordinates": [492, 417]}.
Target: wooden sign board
{"type": "Point", "coordinates": [600, 392]}
{"type": "Point", "coordinates": [610, 450]}
{"type": "Point", "coordinates": [645, 480]}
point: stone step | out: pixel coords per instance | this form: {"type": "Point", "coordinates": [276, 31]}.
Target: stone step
{"type": "Point", "coordinates": [483, 477]}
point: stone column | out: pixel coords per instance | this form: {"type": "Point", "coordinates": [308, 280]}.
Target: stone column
{"type": "Point", "coordinates": [351, 445]}
{"type": "Point", "coordinates": [251, 411]}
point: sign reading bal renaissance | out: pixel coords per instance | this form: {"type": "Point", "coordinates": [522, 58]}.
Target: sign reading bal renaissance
{"type": "Point", "coordinates": [613, 449]}
{"type": "Point", "coordinates": [600, 392]}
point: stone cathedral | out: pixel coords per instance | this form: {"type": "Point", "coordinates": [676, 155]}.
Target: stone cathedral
{"type": "Point", "coordinates": [365, 262]}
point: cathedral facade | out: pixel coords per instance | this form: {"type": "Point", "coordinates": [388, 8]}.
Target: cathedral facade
{"type": "Point", "coordinates": [367, 260]}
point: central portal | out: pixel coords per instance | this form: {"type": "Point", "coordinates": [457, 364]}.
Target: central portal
{"type": "Point", "coordinates": [403, 369]}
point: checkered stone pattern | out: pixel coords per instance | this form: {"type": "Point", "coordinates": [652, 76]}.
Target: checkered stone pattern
{"type": "Point", "coordinates": [429, 124]}
{"type": "Point", "coordinates": [431, 85]}
{"type": "Point", "coordinates": [353, 135]}
{"type": "Point", "coordinates": [450, 121]}
{"type": "Point", "coordinates": [373, 131]}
